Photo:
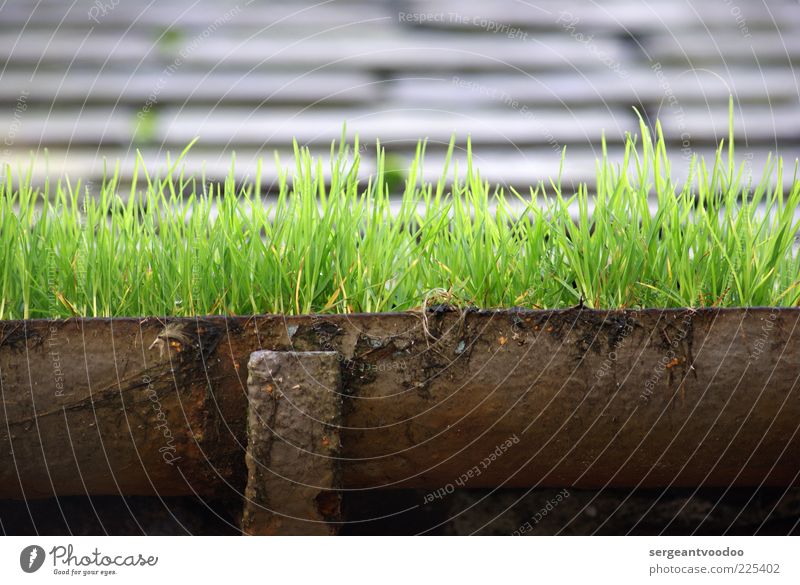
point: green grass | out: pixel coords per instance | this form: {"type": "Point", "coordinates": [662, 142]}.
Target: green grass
{"type": "Point", "coordinates": [341, 248]}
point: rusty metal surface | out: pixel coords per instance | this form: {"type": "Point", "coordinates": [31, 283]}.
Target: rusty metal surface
{"type": "Point", "coordinates": [509, 398]}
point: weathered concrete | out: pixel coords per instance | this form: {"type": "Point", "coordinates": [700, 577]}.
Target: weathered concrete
{"type": "Point", "coordinates": [293, 449]}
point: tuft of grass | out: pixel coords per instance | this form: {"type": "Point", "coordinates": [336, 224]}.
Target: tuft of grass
{"type": "Point", "coordinates": [348, 246]}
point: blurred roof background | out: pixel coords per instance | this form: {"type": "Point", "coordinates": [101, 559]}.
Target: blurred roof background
{"type": "Point", "coordinates": [91, 81]}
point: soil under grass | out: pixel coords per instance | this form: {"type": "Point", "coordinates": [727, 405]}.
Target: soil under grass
{"type": "Point", "coordinates": [342, 246]}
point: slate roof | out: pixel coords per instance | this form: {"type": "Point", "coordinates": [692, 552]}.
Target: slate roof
{"type": "Point", "coordinates": [94, 80]}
